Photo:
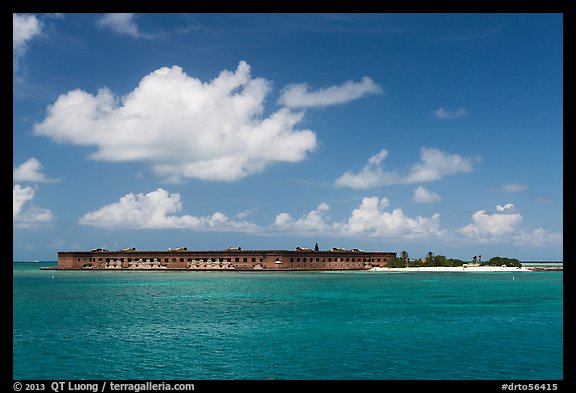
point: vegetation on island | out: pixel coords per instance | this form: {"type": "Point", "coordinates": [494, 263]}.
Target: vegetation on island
{"type": "Point", "coordinates": [500, 261]}
{"type": "Point", "coordinates": [432, 260]}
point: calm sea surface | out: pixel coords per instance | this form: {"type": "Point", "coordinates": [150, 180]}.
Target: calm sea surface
{"type": "Point", "coordinates": [286, 325]}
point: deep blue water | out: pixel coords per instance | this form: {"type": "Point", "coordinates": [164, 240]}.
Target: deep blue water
{"type": "Point", "coordinates": [286, 325]}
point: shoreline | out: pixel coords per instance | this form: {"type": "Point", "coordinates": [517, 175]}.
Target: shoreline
{"type": "Point", "coordinates": [432, 269]}
{"type": "Point", "coordinates": [471, 269]}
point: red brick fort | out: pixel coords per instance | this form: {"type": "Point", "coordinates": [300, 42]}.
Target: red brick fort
{"type": "Point", "coordinates": [228, 259]}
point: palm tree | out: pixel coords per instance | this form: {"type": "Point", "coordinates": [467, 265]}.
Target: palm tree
{"type": "Point", "coordinates": [429, 256]}
{"type": "Point", "coordinates": [475, 259]}
{"type": "Point", "coordinates": [404, 257]}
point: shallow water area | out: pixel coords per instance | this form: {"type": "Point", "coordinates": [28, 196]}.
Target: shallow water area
{"type": "Point", "coordinates": [286, 325]}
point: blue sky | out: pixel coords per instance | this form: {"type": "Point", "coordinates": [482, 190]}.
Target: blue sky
{"type": "Point", "coordinates": [416, 132]}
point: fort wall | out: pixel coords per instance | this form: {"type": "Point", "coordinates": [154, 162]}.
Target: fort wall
{"type": "Point", "coordinates": [235, 259]}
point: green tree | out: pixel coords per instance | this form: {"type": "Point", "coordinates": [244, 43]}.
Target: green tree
{"type": "Point", "coordinates": [499, 261]}
{"type": "Point", "coordinates": [397, 262]}
{"type": "Point", "coordinates": [440, 260]}
{"type": "Point", "coordinates": [455, 262]}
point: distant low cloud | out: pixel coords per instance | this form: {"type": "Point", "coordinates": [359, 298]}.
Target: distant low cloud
{"type": "Point", "coordinates": [31, 171]}
{"type": "Point", "coordinates": [370, 219]}
{"type": "Point", "coordinates": [30, 216]}
{"type": "Point", "coordinates": [300, 96]}
{"type": "Point", "coordinates": [182, 127]}
{"type": "Point", "coordinates": [434, 164]}
{"type": "Point", "coordinates": [313, 221]}
{"type": "Point", "coordinates": [539, 238]}
{"type": "Point", "coordinates": [423, 195]}
{"type": "Point", "coordinates": [443, 113]}
{"type": "Point", "coordinates": [513, 187]}
{"type": "Point", "coordinates": [374, 219]}
{"type": "Point", "coordinates": [488, 226]}
{"type": "Point", "coordinates": [122, 24]}
{"type": "Point", "coordinates": [469, 35]}
{"type": "Point", "coordinates": [24, 29]}
{"type": "Point", "coordinates": [156, 210]}
{"type": "Point", "coordinates": [542, 198]}
{"type": "Point", "coordinates": [504, 226]}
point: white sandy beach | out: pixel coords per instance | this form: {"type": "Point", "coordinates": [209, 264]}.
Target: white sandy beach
{"type": "Point", "coordinates": [471, 269]}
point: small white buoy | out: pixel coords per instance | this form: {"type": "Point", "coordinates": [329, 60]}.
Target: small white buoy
{"type": "Point", "coordinates": [52, 277]}
{"type": "Point", "coordinates": [513, 278]}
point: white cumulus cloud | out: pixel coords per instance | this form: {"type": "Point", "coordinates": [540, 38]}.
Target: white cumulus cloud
{"type": "Point", "coordinates": [21, 195]}
{"type": "Point", "coordinates": [31, 216]}
{"type": "Point", "coordinates": [486, 226]}
{"type": "Point", "coordinates": [443, 113]}
{"type": "Point", "coordinates": [433, 165]}
{"type": "Point", "coordinates": [370, 219]}
{"type": "Point", "coordinates": [24, 29]}
{"type": "Point", "coordinates": [423, 195]}
{"type": "Point", "coordinates": [182, 127]}
{"type": "Point", "coordinates": [503, 226]}
{"type": "Point", "coordinates": [156, 210]}
{"type": "Point", "coordinates": [300, 96]}
{"type": "Point", "coordinates": [373, 220]}
{"type": "Point", "coordinates": [31, 171]}
{"type": "Point", "coordinates": [313, 221]}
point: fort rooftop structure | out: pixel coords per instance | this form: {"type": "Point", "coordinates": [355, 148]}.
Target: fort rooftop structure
{"type": "Point", "coordinates": [229, 259]}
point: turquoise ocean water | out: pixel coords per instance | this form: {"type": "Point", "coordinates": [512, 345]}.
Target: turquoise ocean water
{"type": "Point", "coordinates": [286, 325]}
